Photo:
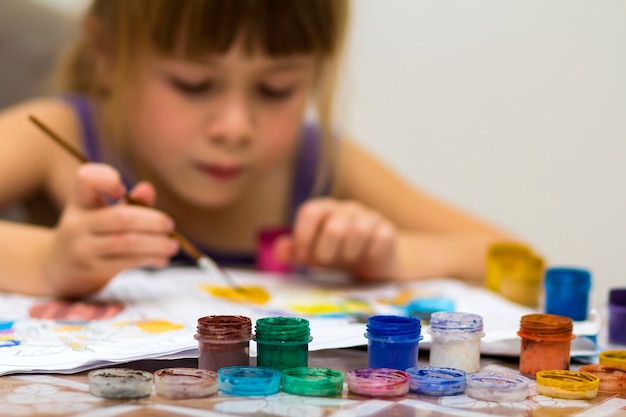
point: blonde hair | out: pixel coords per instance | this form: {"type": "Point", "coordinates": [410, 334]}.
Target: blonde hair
{"type": "Point", "coordinates": [126, 29]}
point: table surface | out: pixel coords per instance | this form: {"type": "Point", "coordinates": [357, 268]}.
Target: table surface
{"type": "Point", "coordinates": [68, 395]}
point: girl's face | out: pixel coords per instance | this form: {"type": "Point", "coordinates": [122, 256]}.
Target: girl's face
{"type": "Point", "coordinates": [208, 129]}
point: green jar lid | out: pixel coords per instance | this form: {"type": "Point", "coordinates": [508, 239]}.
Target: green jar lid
{"type": "Point", "coordinates": [282, 329]}
{"type": "Point", "coordinates": [314, 382]}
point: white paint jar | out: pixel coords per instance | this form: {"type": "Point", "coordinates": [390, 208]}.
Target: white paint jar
{"type": "Point", "coordinates": [456, 340]}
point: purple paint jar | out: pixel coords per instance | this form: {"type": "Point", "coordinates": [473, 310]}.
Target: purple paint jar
{"type": "Point", "coordinates": [265, 260]}
{"type": "Point", "coordinates": [617, 316]}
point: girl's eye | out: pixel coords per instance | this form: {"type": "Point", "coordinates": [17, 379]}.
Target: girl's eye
{"type": "Point", "coordinates": [193, 88]}
{"type": "Point", "coordinates": [274, 93]}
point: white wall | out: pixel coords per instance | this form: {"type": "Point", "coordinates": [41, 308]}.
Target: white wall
{"type": "Point", "coordinates": [512, 109]}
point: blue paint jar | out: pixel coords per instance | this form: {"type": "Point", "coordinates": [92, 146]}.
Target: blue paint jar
{"type": "Point", "coordinates": [567, 292]}
{"type": "Point", "coordinates": [437, 381]}
{"type": "Point", "coordinates": [393, 342]}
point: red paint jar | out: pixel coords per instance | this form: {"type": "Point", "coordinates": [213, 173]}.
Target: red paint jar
{"type": "Point", "coordinates": [223, 341]}
{"type": "Point", "coordinates": [546, 340]}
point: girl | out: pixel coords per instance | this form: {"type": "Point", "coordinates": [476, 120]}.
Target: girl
{"type": "Point", "coordinates": [197, 108]}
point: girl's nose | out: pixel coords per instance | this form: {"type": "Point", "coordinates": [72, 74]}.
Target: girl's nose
{"type": "Point", "coordinates": [233, 124]}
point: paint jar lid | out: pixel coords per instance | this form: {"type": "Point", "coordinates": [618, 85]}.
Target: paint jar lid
{"type": "Point", "coordinates": [497, 386]}
{"type": "Point", "coordinates": [456, 322]}
{"type": "Point", "coordinates": [393, 329]}
{"type": "Point", "coordinates": [549, 327]}
{"type": "Point", "coordinates": [613, 358]}
{"type": "Point", "coordinates": [120, 383]}
{"type": "Point", "coordinates": [315, 382]}
{"type": "Point", "coordinates": [612, 379]}
{"type": "Point", "coordinates": [282, 330]}
{"type": "Point", "coordinates": [181, 383]}
{"type": "Point", "coordinates": [437, 381]}
{"type": "Point", "coordinates": [378, 382]}
{"type": "Point", "coordinates": [617, 297]}
{"type": "Point", "coordinates": [248, 380]}
{"type": "Point", "coordinates": [569, 385]}
{"type": "Point", "coordinates": [568, 278]}
{"type": "Point", "coordinates": [224, 329]}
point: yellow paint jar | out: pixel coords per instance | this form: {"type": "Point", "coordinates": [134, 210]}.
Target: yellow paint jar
{"type": "Point", "coordinates": [569, 385]}
{"type": "Point", "coordinates": [613, 358]}
{"type": "Point", "coordinates": [514, 271]}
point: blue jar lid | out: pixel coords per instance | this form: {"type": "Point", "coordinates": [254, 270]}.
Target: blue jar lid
{"type": "Point", "coordinates": [437, 381]}
{"type": "Point", "coordinates": [456, 321]}
{"type": "Point", "coordinates": [423, 308]}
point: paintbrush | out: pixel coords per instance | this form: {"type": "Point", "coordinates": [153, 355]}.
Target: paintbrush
{"type": "Point", "coordinates": [203, 261]}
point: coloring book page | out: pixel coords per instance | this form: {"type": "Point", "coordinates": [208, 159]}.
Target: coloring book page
{"type": "Point", "coordinates": [145, 314]}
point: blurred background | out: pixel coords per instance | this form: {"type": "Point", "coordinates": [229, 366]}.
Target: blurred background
{"type": "Point", "coordinates": [513, 110]}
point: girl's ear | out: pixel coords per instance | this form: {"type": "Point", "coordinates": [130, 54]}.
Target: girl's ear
{"type": "Point", "coordinates": [99, 47]}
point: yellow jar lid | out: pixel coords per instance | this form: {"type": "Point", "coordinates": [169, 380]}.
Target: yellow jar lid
{"type": "Point", "coordinates": [613, 358]}
{"type": "Point", "coordinates": [568, 381]}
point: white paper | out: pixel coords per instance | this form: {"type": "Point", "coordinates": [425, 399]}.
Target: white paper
{"type": "Point", "coordinates": [175, 296]}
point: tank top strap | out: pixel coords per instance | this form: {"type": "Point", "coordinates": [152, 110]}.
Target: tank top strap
{"type": "Point", "coordinates": [82, 107]}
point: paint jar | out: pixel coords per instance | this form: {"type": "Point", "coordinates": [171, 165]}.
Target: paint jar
{"type": "Point", "coordinates": [248, 380]}
{"type": "Point", "coordinates": [314, 382]}
{"type": "Point", "coordinates": [613, 358]}
{"type": "Point", "coordinates": [515, 272]}
{"type": "Point", "coordinates": [437, 381]}
{"type": "Point", "coordinates": [423, 307]}
{"type": "Point", "coordinates": [612, 379]}
{"type": "Point", "coordinates": [497, 386]}
{"type": "Point", "coordinates": [456, 340]}
{"type": "Point", "coordinates": [223, 341]}
{"type": "Point", "coordinates": [546, 340]}
{"type": "Point", "coordinates": [266, 260]}
{"type": "Point", "coordinates": [568, 385]}
{"type": "Point", "coordinates": [184, 383]}
{"type": "Point", "coordinates": [617, 316]}
{"type": "Point", "coordinates": [567, 292]}
{"type": "Point", "coordinates": [120, 383]}
{"type": "Point", "coordinates": [282, 342]}
{"type": "Point", "coordinates": [393, 342]}
{"type": "Point", "coordinates": [378, 382]}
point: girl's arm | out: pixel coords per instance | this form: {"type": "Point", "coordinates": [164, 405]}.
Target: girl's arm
{"type": "Point", "coordinates": [377, 226]}
{"type": "Point", "coordinates": [93, 240]}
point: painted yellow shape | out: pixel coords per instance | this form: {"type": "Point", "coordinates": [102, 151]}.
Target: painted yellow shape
{"type": "Point", "coordinates": [158, 326]}
{"type": "Point", "coordinates": [69, 328]}
{"type": "Point", "coordinates": [316, 309]}
{"type": "Point", "coordinates": [245, 294]}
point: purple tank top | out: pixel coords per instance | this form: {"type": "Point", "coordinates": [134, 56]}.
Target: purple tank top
{"type": "Point", "coordinates": [308, 156]}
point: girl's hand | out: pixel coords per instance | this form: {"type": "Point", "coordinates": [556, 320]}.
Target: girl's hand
{"type": "Point", "coordinates": [94, 240]}
{"type": "Point", "coordinates": [343, 235]}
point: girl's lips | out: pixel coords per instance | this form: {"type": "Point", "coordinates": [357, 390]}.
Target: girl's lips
{"type": "Point", "coordinates": [221, 172]}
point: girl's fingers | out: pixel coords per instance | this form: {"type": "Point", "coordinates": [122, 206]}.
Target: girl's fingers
{"type": "Point", "coordinates": [129, 218]}
{"type": "Point", "coordinates": [358, 237]}
{"type": "Point", "coordinates": [143, 193]}
{"type": "Point", "coordinates": [309, 219]}
{"type": "Point", "coordinates": [95, 184]}
{"type": "Point", "coordinates": [329, 242]}
{"type": "Point", "coordinates": [133, 245]}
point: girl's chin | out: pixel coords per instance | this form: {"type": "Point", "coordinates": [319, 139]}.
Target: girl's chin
{"type": "Point", "coordinates": [211, 199]}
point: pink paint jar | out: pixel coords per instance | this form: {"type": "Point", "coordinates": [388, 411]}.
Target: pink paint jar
{"type": "Point", "coordinates": [266, 261]}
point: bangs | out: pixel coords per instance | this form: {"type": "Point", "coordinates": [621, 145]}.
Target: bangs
{"type": "Point", "coordinates": [273, 27]}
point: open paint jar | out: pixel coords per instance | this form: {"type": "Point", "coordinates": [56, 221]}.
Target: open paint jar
{"type": "Point", "coordinates": [183, 383]}
{"type": "Point", "coordinates": [456, 340]}
{"type": "Point", "coordinates": [392, 341]}
{"type": "Point", "coordinates": [248, 380]}
{"type": "Point", "coordinates": [223, 341]}
{"type": "Point", "coordinates": [613, 358]}
{"type": "Point", "coordinates": [315, 382]}
{"type": "Point", "coordinates": [378, 382]}
{"type": "Point", "coordinates": [437, 381]}
{"type": "Point", "coordinates": [120, 383]}
{"type": "Point", "coordinates": [282, 342]}
{"type": "Point", "coordinates": [546, 341]}
{"type": "Point", "coordinates": [568, 385]}
{"type": "Point", "coordinates": [497, 386]}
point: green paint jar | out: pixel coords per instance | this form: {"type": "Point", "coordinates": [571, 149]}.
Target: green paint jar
{"type": "Point", "coordinates": [282, 342]}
